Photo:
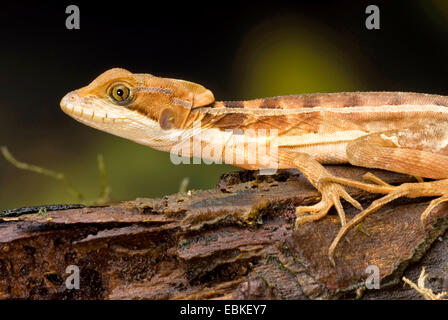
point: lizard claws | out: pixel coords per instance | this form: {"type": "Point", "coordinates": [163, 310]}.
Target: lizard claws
{"type": "Point", "coordinates": [331, 194]}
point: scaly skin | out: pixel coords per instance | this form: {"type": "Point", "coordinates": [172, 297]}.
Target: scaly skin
{"type": "Point", "coordinates": [395, 131]}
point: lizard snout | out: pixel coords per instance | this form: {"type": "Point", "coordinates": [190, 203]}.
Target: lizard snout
{"type": "Point", "coordinates": [68, 101]}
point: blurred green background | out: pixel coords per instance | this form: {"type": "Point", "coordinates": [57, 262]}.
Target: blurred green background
{"type": "Point", "coordinates": [239, 51]}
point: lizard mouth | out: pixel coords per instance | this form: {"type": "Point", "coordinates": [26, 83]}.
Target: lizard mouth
{"type": "Point", "coordinates": [117, 120]}
{"type": "Point", "coordinates": [83, 110]}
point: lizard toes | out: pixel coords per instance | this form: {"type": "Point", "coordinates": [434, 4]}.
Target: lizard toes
{"type": "Point", "coordinates": [316, 212]}
{"type": "Point", "coordinates": [344, 194]}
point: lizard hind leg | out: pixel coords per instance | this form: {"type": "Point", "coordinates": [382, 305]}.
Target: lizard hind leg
{"type": "Point", "coordinates": [398, 151]}
{"type": "Point", "coordinates": [410, 190]}
{"type": "Point", "coordinates": [375, 205]}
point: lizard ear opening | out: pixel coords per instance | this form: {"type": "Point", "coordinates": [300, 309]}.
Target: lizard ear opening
{"type": "Point", "coordinates": [166, 119]}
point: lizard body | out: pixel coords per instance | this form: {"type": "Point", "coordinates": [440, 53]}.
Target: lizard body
{"type": "Point", "coordinates": [396, 131]}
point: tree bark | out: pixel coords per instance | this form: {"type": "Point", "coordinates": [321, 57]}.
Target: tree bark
{"type": "Point", "coordinates": [233, 242]}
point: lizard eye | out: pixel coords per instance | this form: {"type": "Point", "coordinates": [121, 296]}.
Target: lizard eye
{"type": "Point", "coordinates": [120, 93]}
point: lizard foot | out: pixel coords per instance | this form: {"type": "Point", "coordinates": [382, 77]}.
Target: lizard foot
{"type": "Point", "coordinates": [410, 190]}
{"type": "Point", "coordinates": [331, 194]}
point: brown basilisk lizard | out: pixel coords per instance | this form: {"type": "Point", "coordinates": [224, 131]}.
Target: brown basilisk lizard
{"type": "Point", "coordinates": [396, 131]}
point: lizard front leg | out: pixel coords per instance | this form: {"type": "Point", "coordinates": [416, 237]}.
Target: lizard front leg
{"type": "Point", "coordinates": [331, 192]}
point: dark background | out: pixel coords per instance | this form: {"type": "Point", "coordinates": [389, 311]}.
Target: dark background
{"type": "Point", "coordinates": [238, 50]}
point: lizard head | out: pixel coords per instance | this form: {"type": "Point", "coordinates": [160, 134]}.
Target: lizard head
{"type": "Point", "coordinates": [139, 107]}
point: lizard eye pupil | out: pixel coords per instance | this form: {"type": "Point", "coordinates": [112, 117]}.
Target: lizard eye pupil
{"type": "Point", "coordinates": [120, 93]}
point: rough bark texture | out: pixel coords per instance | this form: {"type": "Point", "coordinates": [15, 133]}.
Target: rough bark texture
{"type": "Point", "coordinates": [236, 241]}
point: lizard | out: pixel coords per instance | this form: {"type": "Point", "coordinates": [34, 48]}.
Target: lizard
{"type": "Point", "coordinates": [402, 132]}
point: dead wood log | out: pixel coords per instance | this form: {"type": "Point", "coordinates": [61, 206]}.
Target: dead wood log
{"type": "Point", "coordinates": [236, 241]}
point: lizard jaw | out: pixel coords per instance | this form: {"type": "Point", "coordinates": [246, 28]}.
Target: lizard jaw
{"type": "Point", "coordinates": [117, 120]}
{"type": "Point", "coordinates": [81, 110]}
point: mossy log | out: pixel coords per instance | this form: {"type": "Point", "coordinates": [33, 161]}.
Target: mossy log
{"type": "Point", "coordinates": [236, 241]}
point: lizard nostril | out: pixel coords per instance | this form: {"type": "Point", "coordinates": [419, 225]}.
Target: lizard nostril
{"type": "Point", "coordinates": [68, 99]}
